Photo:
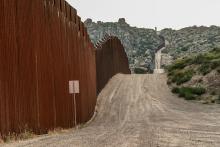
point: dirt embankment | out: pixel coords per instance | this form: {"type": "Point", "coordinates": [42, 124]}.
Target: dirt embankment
{"type": "Point", "coordinates": [140, 110]}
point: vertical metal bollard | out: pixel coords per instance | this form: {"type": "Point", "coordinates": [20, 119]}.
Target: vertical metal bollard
{"type": "Point", "coordinates": [74, 89]}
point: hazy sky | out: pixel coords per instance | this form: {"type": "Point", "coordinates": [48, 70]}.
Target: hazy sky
{"type": "Point", "coordinates": [150, 13]}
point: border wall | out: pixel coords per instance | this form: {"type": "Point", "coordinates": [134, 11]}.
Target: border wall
{"type": "Point", "coordinates": [111, 59]}
{"type": "Point", "coordinates": [44, 45]}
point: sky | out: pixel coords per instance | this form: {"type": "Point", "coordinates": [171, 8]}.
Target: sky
{"type": "Point", "coordinates": [174, 14]}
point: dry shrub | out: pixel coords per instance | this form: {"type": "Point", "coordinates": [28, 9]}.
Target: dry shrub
{"type": "Point", "coordinates": [1, 140]}
{"type": "Point", "coordinates": [57, 131]}
{"type": "Point", "coordinates": [26, 133]}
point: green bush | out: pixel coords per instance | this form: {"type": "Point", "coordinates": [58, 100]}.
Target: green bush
{"type": "Point", "coordinates": [175, 90]}
{"type": "Point", "coordinates": [200, 59]}
{"type": "Point", "coordinates": [179, 64]}
{"type": "Point", "coordinates": [182, 76]}
{"type": "Point", "coordinates": [172, 73]}
{"type": "Point", "coordinates": [205, 69]}
{"type": "Point", "coordinates": [208, 61]}
{"type": "Point", "coordinates": [198, 90]}
{"type": "Point", "coordinates": [189, 93]}
{"type": "Point", "coordinates": [139, 71]}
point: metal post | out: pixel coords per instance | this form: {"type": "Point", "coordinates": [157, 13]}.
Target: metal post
{"type": "Point", "coordinates": [74, 99]}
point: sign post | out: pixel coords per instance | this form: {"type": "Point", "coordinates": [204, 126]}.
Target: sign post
{"type": "Point", "coordinates": [74, 89]}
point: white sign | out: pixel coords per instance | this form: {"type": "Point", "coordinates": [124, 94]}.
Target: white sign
{"type": "Point", "coordinates": [73, 86]}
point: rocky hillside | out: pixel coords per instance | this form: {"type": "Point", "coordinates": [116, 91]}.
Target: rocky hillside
{"type": "Point", "coordinates": [140, 43]}
{"type": "Point", "coordinates": [191, 40]}
{"type": "Point", "coordinates": [197, 77]}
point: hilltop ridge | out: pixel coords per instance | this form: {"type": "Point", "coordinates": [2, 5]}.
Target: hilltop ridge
{"type": "Point", "coordinates": [140, 43]}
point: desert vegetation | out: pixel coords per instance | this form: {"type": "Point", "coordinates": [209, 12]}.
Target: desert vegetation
{"type": "Point", "coordinates": [189, 93]}
{"type": "Point", "coordinates": [196, 77]}
{"type": "Point", "coordinates": [24, 134]}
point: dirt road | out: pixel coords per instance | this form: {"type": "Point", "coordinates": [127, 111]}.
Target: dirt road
{"type": "Point", "coordinates": [140, 110]}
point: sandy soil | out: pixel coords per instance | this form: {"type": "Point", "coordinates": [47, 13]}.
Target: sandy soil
{"type": "Point", "coordinates": [140, 110]}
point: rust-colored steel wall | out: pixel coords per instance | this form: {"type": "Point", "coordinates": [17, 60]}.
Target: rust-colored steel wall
{"type": "Point", "coordinates": [110, 60]}
{"type": "Point", "coordinates": [43, 45]}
